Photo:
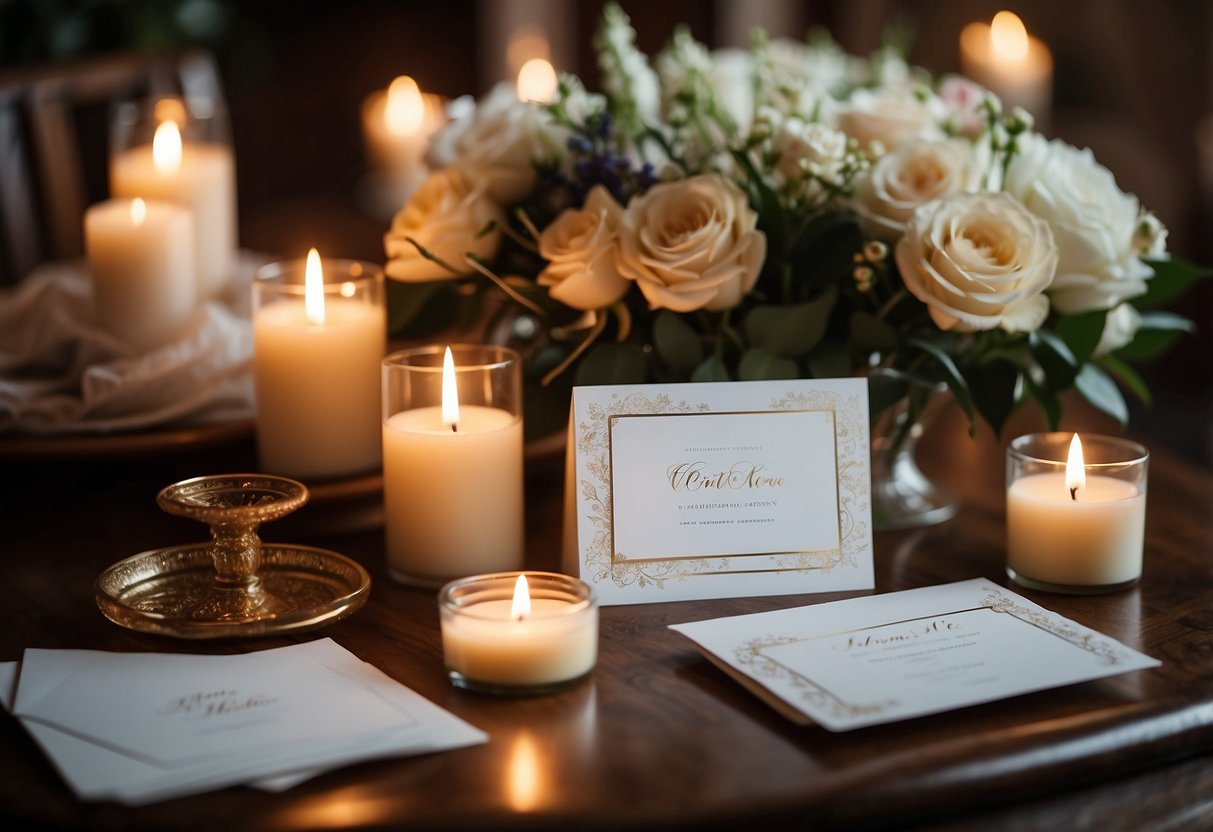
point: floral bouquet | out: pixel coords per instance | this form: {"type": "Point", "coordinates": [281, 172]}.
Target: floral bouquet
{"type": "Point", "coordinates": [790, 211]}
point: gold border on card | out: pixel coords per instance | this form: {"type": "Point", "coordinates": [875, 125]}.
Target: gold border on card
{"type": "Point", "coordinates": [765, 669]}
{"type": "Point", "coordinates": [592, 437]}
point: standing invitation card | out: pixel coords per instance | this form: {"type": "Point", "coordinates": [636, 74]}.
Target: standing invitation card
{"type": "Point", "coordinates": [687, 491]}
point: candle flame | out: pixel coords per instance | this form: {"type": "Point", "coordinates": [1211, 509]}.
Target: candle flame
{"type": "Point", "coordinates": [405, 110]}
{"type": "Point", "coordinates": [537, 81]}
{"type": "Point", "coordinates": [166, 147]}
{"type": "Point", "coordinates": [1009, 37]}
{"type": "Point", "coordinates": [1076, 474]}
{"type": "Point", "coordinates": [521, 607]}
{"type": "Point", "coordinates": [138, 211]}
{"type": "Point", "coordinates": [313, 288]}
{"type": "Point", "coordinates": [450, 395]}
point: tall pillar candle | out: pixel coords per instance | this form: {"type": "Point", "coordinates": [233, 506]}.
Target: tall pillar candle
{"type": "Point", "coordinates": [186, 159]}
{"type": "Point", "coordinates": [452, 462]}
{"type": "Point", "coordinates": [319, 335]}
{"type": "Point", "coordinates": [1075, 523]}
{"type": "Point", "coordinates": [396, 127]}
{"type": "Point", "coordinates": [140, 261]}
{"type": "Point", "coordinates": [1002, 57]}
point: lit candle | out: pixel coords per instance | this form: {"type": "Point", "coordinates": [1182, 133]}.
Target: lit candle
{"type": "Point", "coordinates": [537, 81]}
{"type": "Point", "coordinates": [396, 128]}
{"type": "Point", "coordinates": [1002, 57]}
{"type": "Point", "coordinates": [200, 175]}
{"type": "Point", "coordinates": [513, 632]}
{"type": "Point", "coordinates": [317, 346]}
{"type": "Point", "coordinates": [452, 463]}
{"type": "Point", "coordinates": [140, 260]}
{"type": "Point", "coordinates": [1077, 527]}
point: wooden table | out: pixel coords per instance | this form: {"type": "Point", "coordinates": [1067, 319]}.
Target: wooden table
{"type": "Point", "coordinates": [659, 737]}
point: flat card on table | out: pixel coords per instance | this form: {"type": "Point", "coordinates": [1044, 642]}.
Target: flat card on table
{"type": "Point", "coordinates": [882, 658]}
{"type": "Point", "coordinates": [140, 727]}
{"type": "Point", "coordinates": [687, 491]}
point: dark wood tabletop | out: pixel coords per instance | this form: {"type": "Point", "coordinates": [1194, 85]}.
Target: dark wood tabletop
{"type": "Point", "coordinates": [658, 737]}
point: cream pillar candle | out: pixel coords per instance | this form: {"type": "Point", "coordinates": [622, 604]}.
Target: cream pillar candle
{"type": "Point", "coordinates": [140, 260]}
{"type": "Point", "coordinates": [1080, 529]}
{"type": "Point", "coordinates": [1002, 57]}
{"type": "Point", "coordinates": [317, 347]}
{"type": "Point", "coordinates": [201, 175]}
{"type": "Point", "coordinates": [452, 472]}
{"type": "Point", "coordinates": [512, 631]}
{"type": "Point", "coordinates": [396, 128]}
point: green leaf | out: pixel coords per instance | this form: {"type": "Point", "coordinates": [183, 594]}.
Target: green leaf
{"type": "Point", "coordinates": [1081, 332]}
{"type": "Point", "coordinates": [612, 364]}
{"type": "Point", "coordinates": [831, 359]}
{"type": "Point", "coordinates": [1049, 401]}
{"type": "Point", "coordinates": [1129, 377]}
{"type": "Point", "coordinates": [824, 253]}
{"type": "Point", "coordinates": [1097, 387]}
{"type": "Point", "coordinates": [790, 331]}
{"type": "Point", "coordinates": [760, 365]}
{"type": "Point", "coordinates": [993, 389]}
{"type": "Point", "coordinates": [1158, 331]}
{"type": "Point", "coordinates": [951, 373]}
{"type": "Point", "coordinates": [1171, 279]}
{"type": "Point", "coordinates": [676, 342]}
{"type": "Point", "coordinates": [1054, 357]}
{"type": "Point", "coordinates": [712, 369]}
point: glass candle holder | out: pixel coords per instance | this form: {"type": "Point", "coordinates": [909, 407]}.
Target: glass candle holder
{"type": "Point", "coordinates": [180, 150]}
{"type": "Point", "coordinates": [1076, 531]}
{"type": "Point", "coordinates": [452, 478]}
{"type": "Point", "coordinates": [488, 645]}
{"type": "Point", "coordinates": [317, 372]}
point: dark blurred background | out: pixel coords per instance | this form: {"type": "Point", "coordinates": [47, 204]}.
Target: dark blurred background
{"type": "Point", "coordinates": [1132, 80]}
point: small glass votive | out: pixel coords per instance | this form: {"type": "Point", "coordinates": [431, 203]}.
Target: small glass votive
{"type": "Point", "coordinates": [506, 636]}
{"type": "Point", "coordinates": [316, 368]}
{"type": "Point", "coordinates": [452, 462]}
{"type": "Point", "coordinates": [1075, 524]}
{"type": "Point", "coordinates": [180, 149]}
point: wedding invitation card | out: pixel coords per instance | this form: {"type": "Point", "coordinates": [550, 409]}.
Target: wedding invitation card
{"type": "Point", "coordinates": [686, 491]}
{"type": "Point", "coordinates": [877, 659]}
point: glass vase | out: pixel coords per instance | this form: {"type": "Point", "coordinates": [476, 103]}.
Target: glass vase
{"type": "Point", "coordinates": [903, 497]}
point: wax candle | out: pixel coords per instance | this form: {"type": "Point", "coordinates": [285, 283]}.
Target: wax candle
{"type": "Point", "coordinates": [1076, 526]}
{"type": "Point", "coordinates": [396, 128]}
{"type": "Point", "coordinates": [518, 632]}
{"type": "Point", "coordinates": [201, 175]}
{"type": "Point", "coordinates": [452, 462]}
{"type": "Point", "coordinates": [140, 261]}
{"type": "Point", "coordinates": [317, 346]}
{"type": "Point", "coordinates": [536, 81]}
{"type": "Point", "coordinates": [1002, 57]}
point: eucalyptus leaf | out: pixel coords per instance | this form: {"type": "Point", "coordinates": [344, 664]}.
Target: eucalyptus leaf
{"type": "Point", "coordinates": [712, 369]}
{"type": "Point", "coordinates": [1100, 390]}
{"type": "Point", "coordinates": [791, 331]}
{"type": "Point", "coordinates": [607, 363]}
{"type": "Point", "coordinates": [759, 365]}
{"type": "Point", "coordinates": [676, 342]}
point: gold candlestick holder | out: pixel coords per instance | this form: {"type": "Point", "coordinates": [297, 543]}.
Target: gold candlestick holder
{"type": "Point", "coordinates": [234, 585]}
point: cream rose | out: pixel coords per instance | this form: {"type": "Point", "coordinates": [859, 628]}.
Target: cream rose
{"type": "Point", "coordinates": [580, 246]}
{"type": "Point", "coordinates": [445, 216]}
{"type": "Point", "coordinates": [919, 171]}
{"type": "Point", "coordinates": [1095, 224]}
{"type": "Point", "coordinates": [890, 117]}
{"type": "Point", "coordinates": [979, 261]}
{"type": "Point", "coordinates": [499, 142]}
{"type": "Point", "coordinates": [692, 244]}
{"type": "Point", "coordinates": [808, 153]}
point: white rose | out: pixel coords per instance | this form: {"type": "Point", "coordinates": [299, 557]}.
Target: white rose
{"type": "Point", "coordinates": [1095, 223]}
{"type": "Point", "coordinates": [499, 143]}
{"type": "Point", "coordinates": [692, 244]}
{"type": "Point", "coordinates": [808, 152]}
{"type": "Point", "coordinates": [890, 117]}
{"type": "Point", "coordinates": [978, 261]}
{"type": "Point", "coordinates": [1120, 328]}
{"type": "Point", "coordinates": [445, 216]}
{"type": "Point", "coordinates": [581, 246]}
{"type": "Point", "coordinates": [918, 172]}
